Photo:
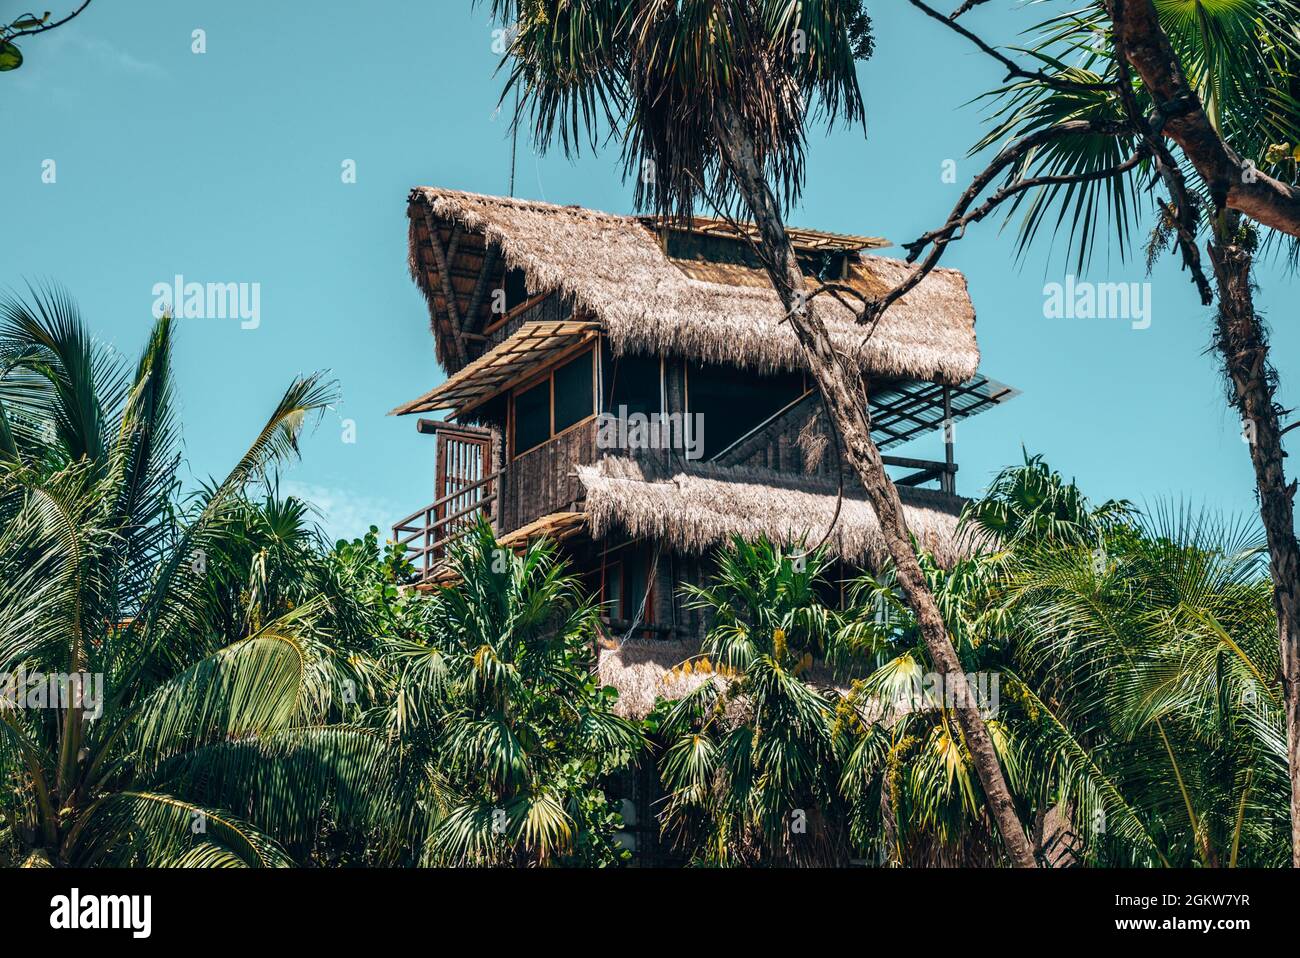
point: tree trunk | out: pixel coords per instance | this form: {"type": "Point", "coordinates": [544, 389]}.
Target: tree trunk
{"type": "Point", "coordinates": [1230, 181]}
{"type": "Point", "coordinates": [1243, 344]}
{"type": "Point", "coordinates": [846, 401]}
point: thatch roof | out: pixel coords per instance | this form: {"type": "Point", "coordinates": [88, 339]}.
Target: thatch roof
{"type": "Point", "coordinates": [703, 506]}
{"type": "Point", "coordinates": [615, 269]}
{"type": "Point", "coordinates": [643, 670]}
{"type": "Point", "coordinates": [647, 669]}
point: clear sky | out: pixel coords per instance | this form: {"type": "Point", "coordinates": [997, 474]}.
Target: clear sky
{"type": "Point", "coordinates": [226, 166]}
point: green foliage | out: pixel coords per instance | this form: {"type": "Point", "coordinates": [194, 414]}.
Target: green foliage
{"type": "Point", "coordinates": [1139, 710]}
{"type": "Point", "coordinates": [220, 671]}
{"type": "Point", "coordinates": [1136, 712]}
{"type": "Point", "coordinates": [272, 700]}
{"type": "Point", "coordinates": [750, 755]}
{"type": "Point", "coordinates": [657, 75]}
{"type": "Point", "coordinates": [506, 733]}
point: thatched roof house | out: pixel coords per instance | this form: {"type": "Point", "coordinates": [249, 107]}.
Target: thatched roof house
{"type": "Point", "coordinates": [555, 322]}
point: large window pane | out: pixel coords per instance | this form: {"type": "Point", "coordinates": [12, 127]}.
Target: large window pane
{"type": "Point", "coordinates": [574, 399]}
{"type": "Point", "coordinates": [734, 401]}
{"type": "Point", "coordinates": [533, 417]}
{"type": "Point", "coordinates": [633, 381]}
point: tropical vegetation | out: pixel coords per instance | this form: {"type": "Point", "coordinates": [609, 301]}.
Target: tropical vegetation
{"type": "Point", "coordinates": [198, 678]}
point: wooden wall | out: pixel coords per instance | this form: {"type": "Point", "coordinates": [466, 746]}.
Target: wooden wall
{"type": "Point", "coordinates": [542, 480]}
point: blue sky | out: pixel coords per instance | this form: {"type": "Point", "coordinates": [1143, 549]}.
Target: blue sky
{"type": "Point", "coordinates": [226, 167]}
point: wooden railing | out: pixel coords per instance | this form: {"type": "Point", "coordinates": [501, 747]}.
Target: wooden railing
{"type": "Point", "coordinates": [927, 470]}
{"type": "Point", "coordinates": [427, 534]}
{"type": "Point", "coordinates": [542, 480]}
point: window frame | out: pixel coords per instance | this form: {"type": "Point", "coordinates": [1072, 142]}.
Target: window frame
{"type": "Point", "coordinates": [616, 569]}
{"type": "Point", "coordinates": [548, 376]}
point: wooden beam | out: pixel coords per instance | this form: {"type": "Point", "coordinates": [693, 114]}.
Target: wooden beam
{"type": "Point", "coordinates": [448, 292]}
{"type": "Point", "coordinates": [472, 318]}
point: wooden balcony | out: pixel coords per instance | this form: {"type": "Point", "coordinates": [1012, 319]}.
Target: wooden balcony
{"type": "Point", "coordinates": [427, 534]}
{"type": "Point", "coordinates": [537, 483]}
{"type": "Point", "coordinates": [541, 482]}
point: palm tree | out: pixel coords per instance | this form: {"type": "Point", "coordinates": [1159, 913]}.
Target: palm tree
{"type": "Point", "coordinates": [1241, 58]}
{"type": "Point", "coordinates": [907, 775]}
{"type": "Point", "coordinates": [169, 733]}
{"type": "Point", "coordinates": [1149, 672]}
{"type": "Point", "coordinates": [750, 755]}
{"type": "Point", "coordinates": [506, 734]}
{"type": "Point", "coordinates": [1137, 704]}
{"type": "Point", "coordinates": [1032, 503]}
{"type": "Point", "coordinates": [710, 99]}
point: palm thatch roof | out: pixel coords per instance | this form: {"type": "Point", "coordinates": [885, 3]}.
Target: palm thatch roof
{"type": "Point", "coordinates": [643, 670]}
{"type": "Point", "coordinates": [618, 271]}
{"type": "Point", "coordinates": [702, 506]}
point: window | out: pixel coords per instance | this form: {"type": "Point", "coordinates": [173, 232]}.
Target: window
{"type": "Point", "coordinates": [626, 583]}
{"type": "Point", "coordinates": [613, 598]}
{"type": "Point", "coordinates": [564, 398]}
{"type": "Point", "coordinates": [734, 401]}
{"type": "Point", "coordinates": [636, 586]}
{"type": "Point", "coordinates": [533, 416]}
{"type": "Point", "coordinates": [634, 383]}
{"type": "Point", "coordinates": [516, 288]}
{"type": "Point", "coordinates": [574, 394]}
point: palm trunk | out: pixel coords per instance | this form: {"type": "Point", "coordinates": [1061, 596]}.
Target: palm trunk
{"type": "Point", "coordinates": [846, 401]}
{"type": "Point", "coordinates": [1244, 347]}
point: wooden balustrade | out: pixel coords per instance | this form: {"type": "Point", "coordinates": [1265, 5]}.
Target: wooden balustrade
{"type": "Point", "coordinates": [439, 528]}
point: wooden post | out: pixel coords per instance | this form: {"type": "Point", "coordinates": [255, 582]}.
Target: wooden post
{"type": "Point", "coordinates": [673, 401]}
{"type": "Point", "coordinates": [949, 482]}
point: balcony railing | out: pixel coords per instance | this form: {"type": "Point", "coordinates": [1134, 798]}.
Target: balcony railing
{"type": "Point", "coordinates": [541, 481]}
{"type": "Point", "coordinates": [427, 534]}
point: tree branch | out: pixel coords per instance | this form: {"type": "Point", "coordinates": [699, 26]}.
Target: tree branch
{"type": "Point", "coordinates": [939, 239]}
{"type": "Point", "coordinates": [46, 26]}
{"type": "Point", "coordinates": [1013, 68]}
{"type": "Point", "coordinates": [965, 8]}
{"type": "Point", "coordinates": [960, 222]}
{"type": "Point", "coordinates": [1231, 181]}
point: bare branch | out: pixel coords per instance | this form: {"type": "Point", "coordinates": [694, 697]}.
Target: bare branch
{"type": "Point", "coordinates": [960, 222]}
{"type": "Point", "coordinates": [32, 31]}
{"type": "Point", "coordinates": [1013, 68]}
{"type": "Point", "coordinates": [939, 239]}
{"type": "Point", "coordinates": [965, 8]}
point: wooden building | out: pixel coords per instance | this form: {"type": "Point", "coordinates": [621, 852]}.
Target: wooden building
{"type": "Point", "coordinates": [560, 328]}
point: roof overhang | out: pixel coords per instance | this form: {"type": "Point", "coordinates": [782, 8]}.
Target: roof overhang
{"type": "Point", "coordinates": [514, 360]}
{"type": "Point", "coordinates": [908, 409]}
{"type": "Point", "coordinates": [693, 508]}
{"type": "Point", "coordinates": [618, 270]}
